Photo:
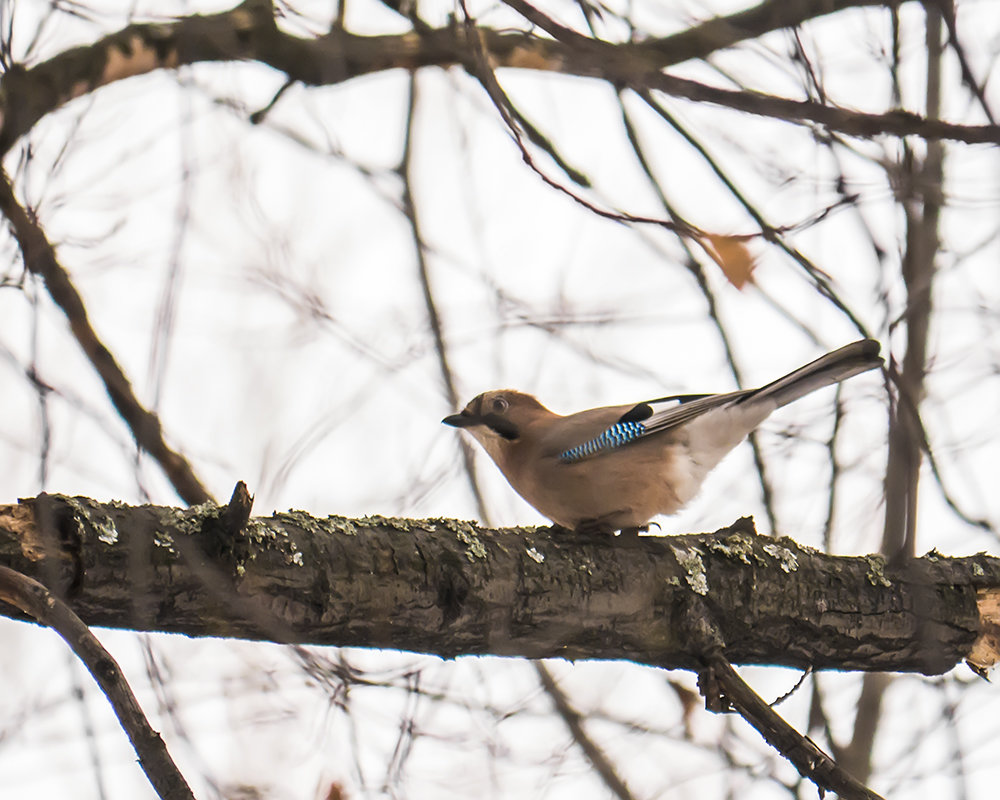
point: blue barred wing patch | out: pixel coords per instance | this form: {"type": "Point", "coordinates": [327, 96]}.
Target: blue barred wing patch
{"type": "Point", "coordinates": [619, 434]}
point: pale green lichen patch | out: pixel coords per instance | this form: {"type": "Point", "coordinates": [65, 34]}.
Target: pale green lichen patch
{"type": "Point", "coordinates": [256, 531]}
{"type": "Point", "coordinates": [106, 531]}
{"type": "Point", "coordinates": [476, 549]}
{"type": "Point", "coordinates": [467, 533]}
{"type": "Point", "coordinates": [786, 558]}
{"type": "Point", "coordinates": [307, 523]}
{"type": "Point", "coordinates": [453, 525]}
{"type": "Point", "coordinates": [277, 538]}
{"type": "Point", "coordinates": [203, 509]}
{"type": "Point", "coordinates": [187, 521]}
{"type": "Point", "coordinates": [166, 541]}
{"type": "Point", "coordinates": [341, 525]}
{"type": "Point", "coordinates": [694, 569]}
{"type": "Point", "coordinates": [274, 537]}
{"type": "Point", "coordinates": [534, 555]}
{"type": "Point", "coordinates": [102, 524]}
{"type": "Point", "coordinates": [527, 530]}
{"type": "Point", "coordinates": [80, 511]}
{"type": "Point", "coordinates": [351, 527]}
{"type": "Point", "coordinates": [737, 546]}
{"type": "Point", "coordinates": [802, 548]}
{"type": "Point", "coordinates": [393, 523]}
{"type": "Point", "coordinates": [876, 570]}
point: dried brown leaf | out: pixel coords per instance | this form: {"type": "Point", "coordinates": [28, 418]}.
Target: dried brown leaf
{"type": "Point", "coordinates": [732, 255]}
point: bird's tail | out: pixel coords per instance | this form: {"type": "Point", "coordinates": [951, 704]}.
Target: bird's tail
{"type": "Point", "coordinates": [825, 371]}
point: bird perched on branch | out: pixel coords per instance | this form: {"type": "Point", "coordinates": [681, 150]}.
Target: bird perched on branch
{"type": "Point", "coordinates": [615, 468]}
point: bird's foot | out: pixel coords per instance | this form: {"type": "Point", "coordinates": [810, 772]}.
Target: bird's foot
{"type": "Point", "coordinates": [588, 529]}
{"type": "Point", "coordinates": [560, 530]}
{"type": "Point", "coordinates": [602, 527]}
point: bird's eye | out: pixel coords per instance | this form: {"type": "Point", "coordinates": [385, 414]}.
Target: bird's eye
{"type": "Point", "coordinates": [499, 405]}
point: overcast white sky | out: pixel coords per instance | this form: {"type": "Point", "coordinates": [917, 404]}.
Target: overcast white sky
{"type": "Point", "coordinates": [259, 286]}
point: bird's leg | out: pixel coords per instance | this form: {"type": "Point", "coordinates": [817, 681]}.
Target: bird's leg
{"type": "Point", "coordinates": [594, 529]}
{"type": "Point", "coordinates": [634, 532]}
{"type": "Point", "coordinates": [559, 530]}
{"type": "Point", "coordinates": [588, 530]}
{"type": "Point", "coordinates": [601, 526]}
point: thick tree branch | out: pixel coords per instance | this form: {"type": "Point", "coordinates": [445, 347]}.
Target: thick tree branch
{"type": "Point", "coordinates": [249, 32]}
{"type": "Point", "coordinates": [451, 588]}
{"type": "Point", "coordinates": [852, 123]}
{"type": "Point", "coordinates": [719, 33]}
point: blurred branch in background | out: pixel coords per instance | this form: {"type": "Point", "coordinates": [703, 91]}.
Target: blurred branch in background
{"type": "Point", "coordinates": [40, 259]}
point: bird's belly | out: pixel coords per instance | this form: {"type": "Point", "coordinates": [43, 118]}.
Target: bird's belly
{"type": "Point", "coordinates": [623, 490]}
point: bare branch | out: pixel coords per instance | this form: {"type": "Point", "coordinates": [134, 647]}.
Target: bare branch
{"type": "Point", "coordinates": [725, 690]}
{"type": "Point", "coordinates": [574, 721]}
{"type": "Point", "coordinates": [430, 303]}
{"type": "Point", "coordinates": [921, 188]}
{"type": "Point", "coordinates": [249, 32]}
{"type": "Point", "coordinates": [767, 492]}
{"type": "Point", "coordinates": [448, 587]}
{"type": "Point", "coordinates": [40, 259]}
{"type": "Point", "coordinates": [852, 123]}
{"type": "Point", "coordinates": [36, 601]}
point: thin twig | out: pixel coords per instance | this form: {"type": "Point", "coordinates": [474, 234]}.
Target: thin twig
{"type": "Point", "coordinates": [808, 112]}
{"type": "Point", "coordinates": [423, 274]}
{"type": "Point", "coordinates": [821, 280]}
{"type": "Point", "coordinates": [922, 200]}
{"type": "Point", "coordinates": [968, 77]}
{"type": "Point", "coordinates": [835, 469]}
{"type": "Point", "coordinates": [574, 721]}
{"type": "Point", "coordinates": [40, 259]}
{"type": "Point", "coordinates": [766, 490]}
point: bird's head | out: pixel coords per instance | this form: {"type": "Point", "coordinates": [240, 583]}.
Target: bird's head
{"type": "Point", "coordinates": [498, 419]}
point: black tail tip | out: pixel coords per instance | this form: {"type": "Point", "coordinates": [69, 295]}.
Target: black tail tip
{"type": "Point", "coordinates": [871, 349]}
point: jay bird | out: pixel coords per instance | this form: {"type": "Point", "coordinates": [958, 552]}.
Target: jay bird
{"type": "Point", "coordinates": [616, 467]}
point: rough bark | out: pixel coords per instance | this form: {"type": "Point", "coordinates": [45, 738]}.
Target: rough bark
{"type": "Point", "coordinates": [450, 588]}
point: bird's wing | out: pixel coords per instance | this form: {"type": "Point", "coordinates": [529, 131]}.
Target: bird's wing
{"type": "Point", "coordinates": [645, 419]}
{"type": "Point", "coordinates": [604, 430]}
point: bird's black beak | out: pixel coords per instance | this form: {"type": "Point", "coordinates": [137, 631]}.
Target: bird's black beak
{"type": "Point", "coordinates": [463, 420]}
{"type": "Point", "coordinates": [500, 426]}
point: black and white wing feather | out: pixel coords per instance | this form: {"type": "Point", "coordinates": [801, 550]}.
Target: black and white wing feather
{"type": "Point", "coordinates": [645, 419]}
